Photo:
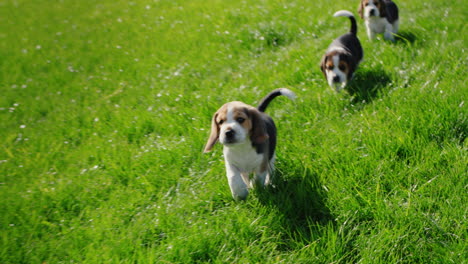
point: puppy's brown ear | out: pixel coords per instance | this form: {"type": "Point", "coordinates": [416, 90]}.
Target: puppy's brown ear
{"type": "Point", "coordinates": [214, 134]}
{"type": "Point", "coordinates": [361, 10]}
{"type": "Point", "coordinates": [259, 131]}
{"type": "Point", "coordinates": [323, 67]}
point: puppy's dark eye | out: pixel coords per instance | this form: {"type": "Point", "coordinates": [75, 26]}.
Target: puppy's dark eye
{"type": "Point", "coordinates": [221, 122]}
{"type": "Point", "coordinates": [240, 120]}
{"type": "Point", "coordinates": [342, 67]}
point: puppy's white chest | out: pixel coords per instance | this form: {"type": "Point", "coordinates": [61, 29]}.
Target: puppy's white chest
{"type": "Point", "coordinates": [377, 25]}
{"type": "Point", "coordinates": [243, 157]}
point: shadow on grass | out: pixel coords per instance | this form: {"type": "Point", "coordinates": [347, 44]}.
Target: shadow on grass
{"type": "Point", "coordinates": [300, 198]}
{"type": "Point", "coordinates": [405, 37]}
{"type": "Point", "coordinates": [366, 85]}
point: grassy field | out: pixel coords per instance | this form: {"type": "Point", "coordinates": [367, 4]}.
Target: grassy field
{"type": "Point", "coordinates": [105, 108]}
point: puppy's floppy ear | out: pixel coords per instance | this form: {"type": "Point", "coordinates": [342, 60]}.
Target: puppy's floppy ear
{"type": "Point", "coordinates": [351, 70]}
{"type": "Point", "coordinates": [323, 66]}
{"type": "Point", "coordinates": [214, 134]}
{"type": "Point", "coordinates": [361, 9]}
{"type": "Point", "coordinates": [259, 131]}
{"type": "Point", "coordinates": [351, 64]}
{"type": "Point", "coordinates": [382, 9]}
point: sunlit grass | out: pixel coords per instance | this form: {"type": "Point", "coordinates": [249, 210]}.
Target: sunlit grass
{"type": "Point", "coordinates": [105, 108]}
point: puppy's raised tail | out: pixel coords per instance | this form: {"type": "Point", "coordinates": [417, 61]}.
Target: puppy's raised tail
{"type": "Point", "coordinates": [346, 13]}
{"type": "Point", "coordinates": [269, 97]}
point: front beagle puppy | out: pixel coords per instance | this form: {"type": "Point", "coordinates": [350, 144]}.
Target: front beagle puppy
{"type": "Point", "coordinates": [249, 139]}
{"type": "Point", "coordinates": [342, 56]}
{"type": "Point", "coordinates": [380, 16]}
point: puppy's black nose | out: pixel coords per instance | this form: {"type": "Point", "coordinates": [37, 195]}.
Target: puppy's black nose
{"type": "Point", "coordinates": [230, 134]}
{"type": "Point", "coordinates": [372, 12]}
{"type": "Point", "coordinates": [336, 79]}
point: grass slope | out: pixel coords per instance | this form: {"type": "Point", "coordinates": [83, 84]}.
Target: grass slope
{"type": "Point", "coordinates": [105, 107]}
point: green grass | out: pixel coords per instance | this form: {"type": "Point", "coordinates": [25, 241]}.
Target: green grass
{"type": "Point", "coordinates": [105, 108]}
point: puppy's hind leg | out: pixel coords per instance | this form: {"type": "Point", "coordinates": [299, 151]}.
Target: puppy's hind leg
{"type": "Point", "coordinates": [388, 35]}
{"type": "Point", "coordinates": [261, 178]}
{"type": "Point", "coordinates": [263, 175]}
{"type": "Point", "coordinates": [396, 26]}
{"type": "Point", "coordinates": [246, 178]}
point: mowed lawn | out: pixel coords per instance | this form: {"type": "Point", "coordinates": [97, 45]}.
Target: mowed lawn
{"type": "Point", "coordinates": [105, 107]}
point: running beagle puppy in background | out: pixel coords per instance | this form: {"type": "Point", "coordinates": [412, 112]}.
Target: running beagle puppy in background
{"type": "Point", "coordinates": [342, 56]}
{"type": "Point", "coordinates": [380, 16]}
{"type": "Point", "coordinates": [249, 139]}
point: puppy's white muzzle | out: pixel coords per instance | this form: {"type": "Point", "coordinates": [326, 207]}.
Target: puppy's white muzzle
{"type": "Point", "coordinates": [231, 134]}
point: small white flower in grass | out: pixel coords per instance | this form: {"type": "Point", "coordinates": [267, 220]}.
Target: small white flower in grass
{"type": "Point", "coordinates": [148, 7]}
{"type": "Point", "coordinates": [96, 119]}
{"type": "Point", "coordinates": [119, 20]}
{"type": "Point", "coordinates": [23, 126]}
{"type": "Point", "coordinates": [38, 47]}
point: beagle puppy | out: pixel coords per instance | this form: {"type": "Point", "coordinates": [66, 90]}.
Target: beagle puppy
{"type": "Point", "coordinates": [248, 136]}
{"type": "Point", "coordinates": [342, 56]}
{"type": "Point", "coordinates": [380, 16]}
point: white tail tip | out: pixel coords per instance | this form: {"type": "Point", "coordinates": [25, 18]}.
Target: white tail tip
{"type": "Point", "coordinates": [344, 13]}
{"type": "Point", "coordinates": [288, 93]}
